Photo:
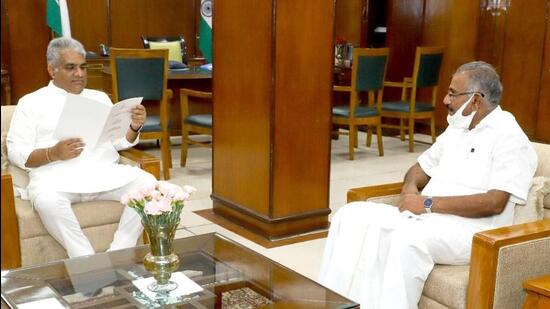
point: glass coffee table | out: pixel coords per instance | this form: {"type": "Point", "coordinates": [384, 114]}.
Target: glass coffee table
{"type": "Point", "coordinates": [229, 276]}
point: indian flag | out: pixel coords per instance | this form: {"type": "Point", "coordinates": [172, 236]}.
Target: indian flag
{"type": "Point", "coordinates": [205, 30]}
{"type": "Point", "coordinates": [57, 16]}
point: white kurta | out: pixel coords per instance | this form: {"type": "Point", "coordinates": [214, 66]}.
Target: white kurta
{"type": "Point", "coordinates": [32, 127]}
{"type": "Point", "coordinates": [381, 258]}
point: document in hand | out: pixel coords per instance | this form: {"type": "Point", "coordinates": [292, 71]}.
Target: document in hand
{"type": "Point", "coordinates": [93, 121]}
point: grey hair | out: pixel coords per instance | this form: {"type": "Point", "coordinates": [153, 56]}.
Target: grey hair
{"type": "Point", "coordinates": [483, 78]}
{"type": "Point", "coordinates": [59, 45]}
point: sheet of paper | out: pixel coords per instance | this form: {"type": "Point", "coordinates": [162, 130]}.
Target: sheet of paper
{"type": "Point", "coordinates": [119, 120]}
{"type": "Point", "coordinates": [186, 286]}
{"type": "Point", "coordinates": [82, 117]}
{"type": "Point", "coordinates": [50, 303]}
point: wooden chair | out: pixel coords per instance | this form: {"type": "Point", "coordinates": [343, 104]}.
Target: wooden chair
{"type": "Point", "coordinates": [427, 65]}
{"type": "Point", "coordinates": [193, 123]}
{"type": "Point", "coordinates": [143, 73]}
{"type": "Point", "coordinates": [177, 48]}
{"type": "Point", "coordinates": [368, 73]}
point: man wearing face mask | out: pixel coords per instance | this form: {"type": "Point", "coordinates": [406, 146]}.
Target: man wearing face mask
{"type": "Point", "coordinates": [466, 182]}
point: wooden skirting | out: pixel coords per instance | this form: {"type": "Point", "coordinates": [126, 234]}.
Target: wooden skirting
{"type": "Point", "coordinates": [210, 215]}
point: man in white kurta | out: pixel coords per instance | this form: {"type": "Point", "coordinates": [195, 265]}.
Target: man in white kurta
{"type": "Point", "coordinates": [66, 171]}
{"type": "Point", "coordinates": [468, 181]}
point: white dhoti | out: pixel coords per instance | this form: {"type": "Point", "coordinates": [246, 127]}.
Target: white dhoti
{"type": "Point", "coordinates": [380, 257]}
{"type": "Point", "coordinates": [54, 209]}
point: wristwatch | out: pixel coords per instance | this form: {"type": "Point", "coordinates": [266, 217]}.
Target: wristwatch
{"type": "Point", "coordinates": [428, 203]}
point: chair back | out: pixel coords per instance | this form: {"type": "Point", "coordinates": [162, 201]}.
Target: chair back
{"type": "Point", "coordinates": [177, 48]}
{"type": "Point", "coordinates": [369, 68]}
{"type": "Point", "coordinates": [427, 65]}
{"type": "Point", "coordinates": [139, 73]}
{"type": "Point", "coordinates": [368, 74]}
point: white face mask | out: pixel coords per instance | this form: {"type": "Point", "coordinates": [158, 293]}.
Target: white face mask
{"type": "Point", "coordinates": [458, 120]}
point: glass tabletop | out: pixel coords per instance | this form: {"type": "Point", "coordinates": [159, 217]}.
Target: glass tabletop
{"type": "Point", "coordinates": [230, 275]}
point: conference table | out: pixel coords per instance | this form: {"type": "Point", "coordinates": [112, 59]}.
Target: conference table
{"type": "Point", "coordinates": [214, 272]}
{"type": "Point", "coordinates": [191, 78]}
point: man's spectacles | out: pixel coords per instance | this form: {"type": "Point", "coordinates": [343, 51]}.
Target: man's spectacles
{"type": "Point", "coordinates": [453, 95]}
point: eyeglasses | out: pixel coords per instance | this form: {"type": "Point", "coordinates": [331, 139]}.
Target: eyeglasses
{"type": "Point", "coordinates": [454, 95]}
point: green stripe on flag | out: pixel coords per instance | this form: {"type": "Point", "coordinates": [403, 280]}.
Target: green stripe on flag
{"type": "Point", "coordinates": [205, 40]}
{"type": "Point", "coordinates": [53, 17]}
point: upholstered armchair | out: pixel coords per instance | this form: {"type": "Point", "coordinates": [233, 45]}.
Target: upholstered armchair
{"type": "Point", "coordinates": [502, 259]}
{"type": "Point", "coordinates": [25, 241]}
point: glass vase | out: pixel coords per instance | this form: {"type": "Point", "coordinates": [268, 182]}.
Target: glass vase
{"type": "Point", "coordinates": [162, 260]}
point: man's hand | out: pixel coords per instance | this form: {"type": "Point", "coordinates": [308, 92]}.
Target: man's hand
{"type": "Point", "coordinates": [67, 149]}
{"type": "Point", "coordinates": [411, 202]}
{"type": "Point", "coordinates": [138, 116]}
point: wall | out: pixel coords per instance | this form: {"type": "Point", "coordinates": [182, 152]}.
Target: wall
{"type": "Point", "coordinates": [515, 45]}
{"type": "Point", "coordinates": [119, 23]}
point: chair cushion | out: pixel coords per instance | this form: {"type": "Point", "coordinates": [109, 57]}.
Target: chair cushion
{"type": "Point", "coordinates": [448, 285]}
{"type": "Point", "coordinates": [174, 49]}
{"type": "Point", "coordinates": [533, 210]}
{"type": "Point", "coordinates": [360, 111]}
{"type": "Point", "coordinates": [152, 124]}
{"type": "Point", "coordinates": [203, 120]}
{"type": "Point", "coordinates": [403, 106]}
{"type": "Point", "coordinates": [89, 214]}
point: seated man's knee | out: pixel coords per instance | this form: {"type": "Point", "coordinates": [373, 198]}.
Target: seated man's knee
{"type": "Point", "coordinates": [45, 201]}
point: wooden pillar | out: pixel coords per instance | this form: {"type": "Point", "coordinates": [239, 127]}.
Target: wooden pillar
{"type": "Point", "coordinates": [272, 84]}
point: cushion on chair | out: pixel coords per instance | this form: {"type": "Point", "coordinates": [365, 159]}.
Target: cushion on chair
{"type": "Point", "coordinates": [403, 106]}
{"type": "Point", "coordinates": [428, 71]}
{"type": "Point", "coordinates": [203, 120]}
{"type": "Point", "coordinates": [360, 111]}
{"type": "Point", "coordinates": [447, 285]}
{"type": "Point", "coordinates": [370, 73]}
{"type": "Point", "coordinates": [140, 78]}
{"type": "Point", "coordinates": [89, 214]}
{"type": "Point", "coordinates": [174, 49]}
{"type": "Point", "coordinates": [7, 113]}
{"type": "Point", "coordinates": [533, 210]}
{"type": "Point", "coordinates": [152, 124]}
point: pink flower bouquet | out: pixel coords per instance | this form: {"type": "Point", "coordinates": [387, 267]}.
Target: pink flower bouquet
{"type": "Point", "coordinates": [159, 204]}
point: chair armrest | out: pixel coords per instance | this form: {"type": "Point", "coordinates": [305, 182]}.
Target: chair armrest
{"type": "Point", "coordinates": [486, 247]}
{"type": "Point", "coordinates": [143, 160]}
{"type": "Point", "coordinates": [363, 193]}
{"type": "Point", "coordinates": [342, 88]}
{"type": "Point", "coordinates": [10, 251]}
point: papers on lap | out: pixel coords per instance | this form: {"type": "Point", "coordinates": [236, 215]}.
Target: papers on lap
{"type": "Point", "coordinates": [93, 121]}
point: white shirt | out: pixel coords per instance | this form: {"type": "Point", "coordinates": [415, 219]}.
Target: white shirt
{"type": "Point", "coordinates": [32, 127]}
{"type": "Point", "coordinates": [496, 154]}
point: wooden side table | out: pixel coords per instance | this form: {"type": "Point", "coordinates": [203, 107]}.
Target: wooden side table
{"type": "Point", "coordinates": [538, 293]}
{"type": "Point", "coordinates": [6, 85]}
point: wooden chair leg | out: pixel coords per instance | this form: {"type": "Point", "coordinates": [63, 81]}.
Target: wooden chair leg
{"type": "Point", "coordinates": [352, 138]}
{"type": "Point", "coordinates": [184, 147]}
{"type": "Point", "coordinates": [369, 136]}
{"type": "Point", "coordinates": [411, 135]}
{"type": "Point", "coordinates": [401, 129]}
{"type": "Point", "coordinates": [379, 139]}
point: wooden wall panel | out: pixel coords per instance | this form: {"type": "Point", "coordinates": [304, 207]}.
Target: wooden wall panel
{"type": "Point", "coordinates": [89, 22]}
{"type": "Point", "coordinates": [542, 131]}
{"type": "Point", "coordinates": [242, 86]}
{"type": "Point", "coordinates": [28, 39]}
{"type": "Point", "coordinates": [347, 20]}
{"type": "Point", "coordinates": [405, 19]}
{"type": "Point", "coordinates": [452, 24]}
{"type": "Point", "coordinates": [130, 19]}
{"type": "Point", "coordinates": [302, 106]}
{"type": "Point", "coordinates": [522, 61]}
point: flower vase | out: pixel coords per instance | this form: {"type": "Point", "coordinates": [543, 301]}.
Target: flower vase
{"type": "Point", "coordinates": [162, 260]}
